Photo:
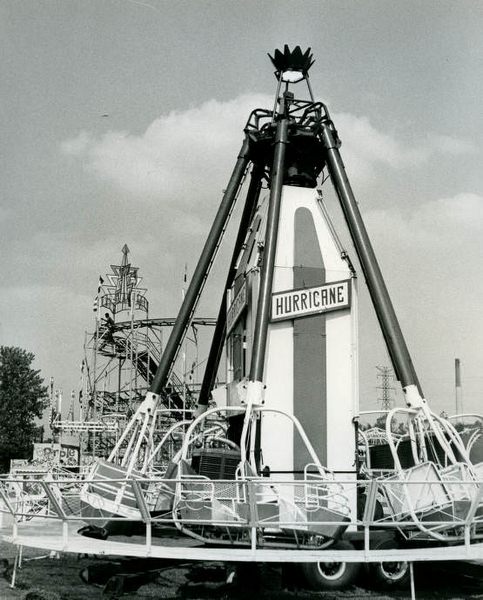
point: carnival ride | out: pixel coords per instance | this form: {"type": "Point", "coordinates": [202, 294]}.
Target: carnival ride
{"type": "Point", "coordinates": [121, 356]}
{"type": "Point", "coordinates": [241, 487]}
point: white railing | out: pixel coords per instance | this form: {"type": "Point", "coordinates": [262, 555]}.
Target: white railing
{"type": "Point", "coordinates": [421, 505]}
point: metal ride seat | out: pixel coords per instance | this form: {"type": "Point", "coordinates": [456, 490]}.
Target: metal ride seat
{"type": "Point", "coordinates": [205, 495]}
{"type": "Point", "coordinates": [324, 504]}
{"type": "Point", "coordinates": [436, 500]}
{"type": "Point", "coordinates": [258, 497]}
{"type": "Point", "coordinates": [461, 482]}
{"type": "Point", "coordinates": [206, 501]}
{"type": "Point", "coordinates": [312, 508]}
{"type": "Point", "coordinates": [222, 511]}
{"type": "Point", "coordinates": [208, 508]}
{"type": "Point", "coordinates": [218, 503]}
{"type": "Point", "coordinates": [26, 499]}
{"type": "Point", "coordinates": [292, 513]}
{"type": "Point", "coordinates": [316, 506]}
{"type": "Point", "coordinates": [109, 488]}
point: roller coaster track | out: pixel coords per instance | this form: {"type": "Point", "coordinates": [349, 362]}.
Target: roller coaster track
{"type": "Point", "coordinates": [163, 322]}
{"type": "Point", "coordinates": [176, 394]}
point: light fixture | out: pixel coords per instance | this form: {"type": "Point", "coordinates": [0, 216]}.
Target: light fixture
{"type": "Point", "coordinates": [292, 76]}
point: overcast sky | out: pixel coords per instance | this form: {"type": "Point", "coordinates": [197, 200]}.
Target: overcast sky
{"type": "Point", "coordinates": [121, 121]}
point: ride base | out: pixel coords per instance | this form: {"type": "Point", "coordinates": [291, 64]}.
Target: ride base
{"type": "Point", "coordinates": [52, 521]}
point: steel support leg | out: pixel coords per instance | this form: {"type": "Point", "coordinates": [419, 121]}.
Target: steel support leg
{"type": "Point", "coordinates": [199, 276]}
{"type": "Point", "coordinates": [386, 315]}
{"type": "Point", "coordinates": [266, 276]}
{"type": "Point", "coordinates": [218, 340]}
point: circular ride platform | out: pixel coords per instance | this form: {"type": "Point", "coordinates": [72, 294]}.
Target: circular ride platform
{"type": "Point", "coordinates": [62, 536]}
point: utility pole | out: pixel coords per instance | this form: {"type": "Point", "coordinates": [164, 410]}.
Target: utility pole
{"type": "Point", "coordinates": [458, 389]}
{"type": "Point", "coordinates": [386, 376]}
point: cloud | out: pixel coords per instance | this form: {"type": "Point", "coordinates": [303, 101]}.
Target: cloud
{"type": "Point", "coordinates": [193, 151]}
{"type": "Point", "coordinates": [446, 144]}
{"type": "Point", "coordinates": [433, 248]}
{"type": "Point", "coordinates": [461, 214]}
{"type": "Point", "coordinates": [365, 148]}
{"type": "Point", "coordinates": [65, 261]}
{"type": "Point", "coordinates": [5, 214]}
{"type": "Point", "coordinates": [27, 328]}
{"type": "Point", "coordinates": [445, 221]}
{"type": "Point", "coordinates": [78, 145]}
{"type": "Point", "coordinates": [179, 153]}
{"type": "Point", "coordinates": [429, 259]}
{"type": "Point", "coordinates": [438, 232]}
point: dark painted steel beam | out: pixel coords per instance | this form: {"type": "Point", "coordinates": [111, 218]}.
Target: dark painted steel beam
{"type": "Point", "coordinates": [385, 312]}
{"type": "Point", "coordinates": [266, 277]}
{"type": "Point", "coordinates": [201, 271]}
{"type": "Point", "coordinates": [218, 340]}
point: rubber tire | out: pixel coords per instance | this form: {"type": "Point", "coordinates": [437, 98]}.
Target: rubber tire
{"type": "Point", "coordinates": [388, 575]}
{"type": "Point", "coordinates": [331, 576]}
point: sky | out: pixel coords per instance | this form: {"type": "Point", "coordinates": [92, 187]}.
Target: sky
{"type": "Point", "coordinates": [122, 119]}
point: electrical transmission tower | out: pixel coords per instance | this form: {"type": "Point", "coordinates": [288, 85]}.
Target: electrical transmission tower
{"type": "Point", "coordinates": [386, 376]}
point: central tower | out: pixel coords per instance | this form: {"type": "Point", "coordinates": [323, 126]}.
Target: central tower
{"type": "Point", "coordinates": [308, 355]}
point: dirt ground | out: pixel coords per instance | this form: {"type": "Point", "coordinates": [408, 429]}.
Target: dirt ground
{"type": "Point", "coordinates": [58, 578]}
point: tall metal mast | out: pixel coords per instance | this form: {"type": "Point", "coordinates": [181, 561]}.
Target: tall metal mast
{"type": "Point", "coordinates": [391, 330]}
{"type": "Point", "coordinates": [294, 146]}
{"type": "Point", "coordinates": [289, 145]}
{"type": "Point", "coordinates": [266, 276]}
{"type": "Point", "coordinates": [201, 272]}
{"type": "Point", "coordinates": [312, 127]}
{"type": "Point", "coordinates": [218, 340]}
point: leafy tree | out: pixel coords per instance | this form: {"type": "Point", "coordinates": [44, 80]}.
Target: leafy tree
{"type": "Point", "coordinates": [23, 397]}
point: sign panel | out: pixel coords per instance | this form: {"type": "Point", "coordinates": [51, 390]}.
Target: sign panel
{"type": "Point", "coordinates": [49, 454]}
{"type": "Point", "coordinates": [236, 307]}
{"type": "Point", "coordinates": [311, 301]}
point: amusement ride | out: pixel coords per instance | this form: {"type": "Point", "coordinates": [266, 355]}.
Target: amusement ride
{"type": "Point", "coordinates": [271, 465]}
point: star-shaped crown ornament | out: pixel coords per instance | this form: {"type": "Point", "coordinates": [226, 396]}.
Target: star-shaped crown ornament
{"type": "Point", "coordinates": [292, 65]}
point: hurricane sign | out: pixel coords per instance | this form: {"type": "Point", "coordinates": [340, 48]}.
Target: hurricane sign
{"type": "Point", "coordinates": [311, 301]}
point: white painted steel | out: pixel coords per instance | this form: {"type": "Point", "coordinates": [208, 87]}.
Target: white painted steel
{"type": "Point", "coordinates": [341, 343]}
{"type": "Point", "coordinates": [53, 528]}
{"type": "Point", "coordinates": [47, 534]}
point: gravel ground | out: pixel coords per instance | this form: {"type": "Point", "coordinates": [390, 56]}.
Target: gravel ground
{"type": "Point", "coordinates": [58, 579]}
